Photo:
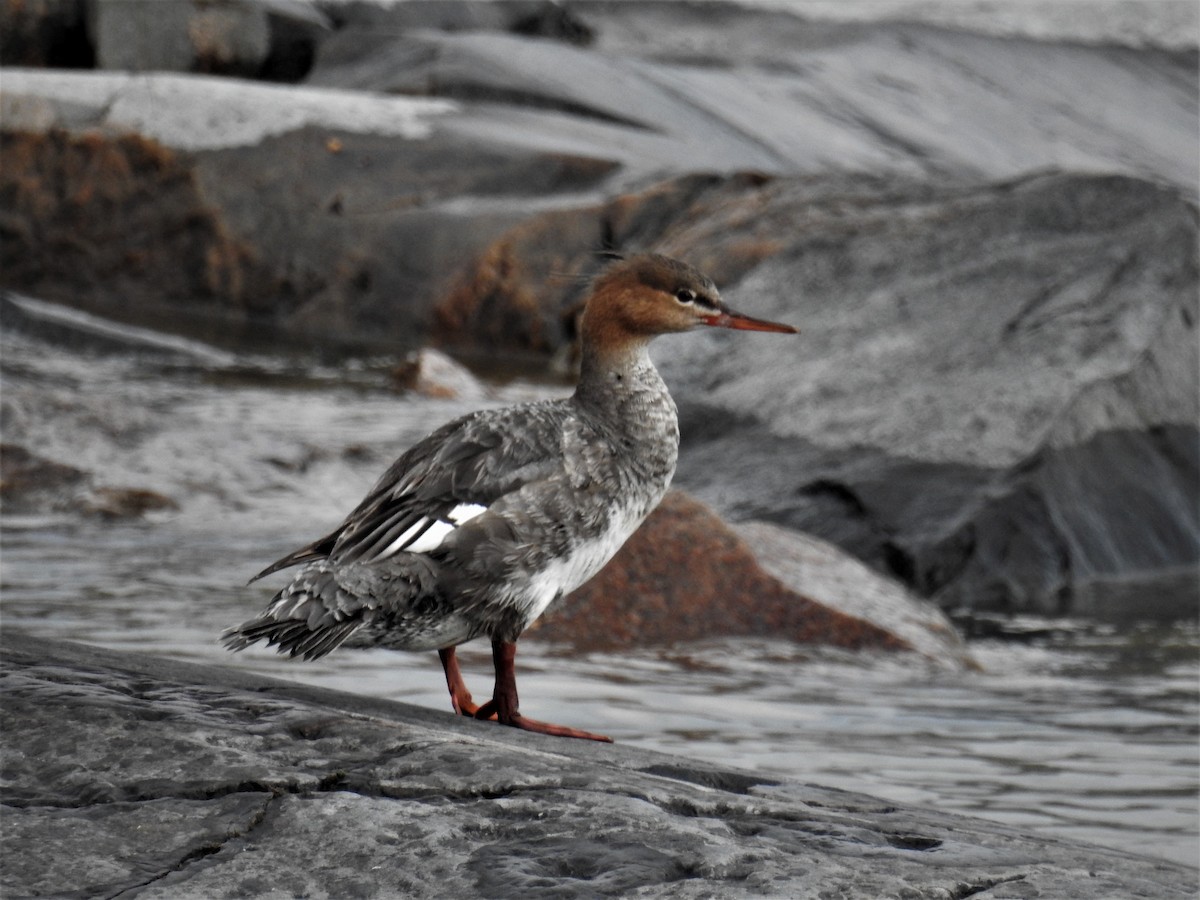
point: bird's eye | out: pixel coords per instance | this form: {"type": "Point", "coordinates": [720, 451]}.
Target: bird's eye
{"type": "Point", "coordinates": [685, 295]}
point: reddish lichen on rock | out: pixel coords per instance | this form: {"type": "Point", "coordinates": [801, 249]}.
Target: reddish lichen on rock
{"type": "Point", "coordinates": [511, 297]}
{"type": "Point", "coordinates": [111, 217]}
{"type": "Point", "coordinates": [685, 575]}
{"type": "Point", "coordinates": [522, 292]}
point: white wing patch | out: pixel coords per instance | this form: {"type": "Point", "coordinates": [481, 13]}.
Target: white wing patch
{"type": "Point", "coordinates": [428, 534]}
{"type": "Point", "coordinates": [465, 512]}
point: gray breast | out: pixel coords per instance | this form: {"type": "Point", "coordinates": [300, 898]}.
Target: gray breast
{"type": "Point", "coordinates": [618, 458]}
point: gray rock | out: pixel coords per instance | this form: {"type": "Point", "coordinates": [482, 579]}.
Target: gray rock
{"type": "Point", "coordinates": [432, 373]}
{"type": "Point", "coordinates": [271, 38]}
{"type": "Point", "coordinates": [994, 396]}
{"type": "Point", "coordinates": [195, 114]}
{"type": "Point", "coordinates": [819, 569]}
{"type": "Point", "coordinates": [179, 35]}
{"type": "Point", "coordinates": [30, 484]}
{"type": "Point", "coordinates": [331, 211]}
{"type": "Point", "coordinates": [673, 87]}
{"type": "Point", "coordinates": [161, 779]}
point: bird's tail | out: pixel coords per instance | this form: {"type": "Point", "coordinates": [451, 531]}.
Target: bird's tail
{"type": "Point", "coordinates": [309, 618]}
{"type": "Point", "coordinates": [293, 637]}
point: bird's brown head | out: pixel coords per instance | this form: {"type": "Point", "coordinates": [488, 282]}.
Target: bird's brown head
{"type": "Point", "coordinates": [637, 298]}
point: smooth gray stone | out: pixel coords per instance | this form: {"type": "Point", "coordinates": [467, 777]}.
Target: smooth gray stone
{"type": "Point", "coordinates": [179, 35]}
{"type": "Point", "coordinates": [332, 208]}
{"type": "Point", "coordinates": [714, 86]}
{"type": "Point", "coordinates": [993, 396]}
{"type": "Point", "coordinates": [267, 38]}
{"type": "Point", "coordinates": [137, 777]}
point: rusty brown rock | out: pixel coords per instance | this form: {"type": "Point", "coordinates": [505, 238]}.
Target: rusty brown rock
{"type": "Point", "coordinates": [78, 224]}
{"type": "Point", "coordinates": [126, 502]}
{"type": "Point", "coordinates": [524, 292]}
{"type": "Point", "coordinates": [685, 575]}
{"type": "Point", "coordinates": [502, 300]}
{"type": "Point", "coordinates": [279, 220]}
{"type": "Point", "coordinates": [31, 483]}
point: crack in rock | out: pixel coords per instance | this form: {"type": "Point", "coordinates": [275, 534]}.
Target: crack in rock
{"type": "Point", "coordinates": [970, 889]}
{"type": "Point", "coordinates": [205, 850]}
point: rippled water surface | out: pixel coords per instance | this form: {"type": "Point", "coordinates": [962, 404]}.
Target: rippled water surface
{"type": "Point", "coordinates": [1092, 736]}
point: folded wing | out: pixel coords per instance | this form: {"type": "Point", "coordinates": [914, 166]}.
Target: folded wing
{"type": "Point", "coordinates": [446, 480]}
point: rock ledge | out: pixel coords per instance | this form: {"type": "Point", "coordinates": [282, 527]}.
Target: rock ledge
{"type": "Point", "coordinates": [151, 778]}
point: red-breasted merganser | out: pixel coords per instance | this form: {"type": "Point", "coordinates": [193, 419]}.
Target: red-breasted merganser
{"type": "Point", "coordinates": [480, 527]}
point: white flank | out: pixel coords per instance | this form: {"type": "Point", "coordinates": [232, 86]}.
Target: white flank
{"type": "Point", "coordinates": [435, 534]}
{"type": "Point", "coordinates": [564, 575]}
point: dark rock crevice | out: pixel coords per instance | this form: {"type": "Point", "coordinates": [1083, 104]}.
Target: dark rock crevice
{"type": "Point", "coordinates": [233, 837]}
{"type": "Point", "coordinates": [962, 890]}
{"type": "Point", "coordinates": [730, 782]}
{"type": "Point", "coordinates": [1020, 540]}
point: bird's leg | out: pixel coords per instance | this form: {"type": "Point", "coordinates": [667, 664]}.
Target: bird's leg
{"type": "Point", "coordinates": [504, 703]}
{"type": "Point", "coordinates": [460, 697]}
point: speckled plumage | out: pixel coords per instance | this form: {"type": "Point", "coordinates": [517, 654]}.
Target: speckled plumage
{"type": "Point", "coordinates": [479, 528]}
{"type": "Point", "coordinates": [555, 476]}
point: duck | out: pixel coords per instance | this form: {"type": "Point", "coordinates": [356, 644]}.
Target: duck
{"type": "Point", "coordinates": [479, 528]}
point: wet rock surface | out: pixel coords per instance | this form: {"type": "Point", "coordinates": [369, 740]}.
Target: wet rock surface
{"type": "Point", "coordinates": [30, 484]}
{"type": "Point", "coordinates": [163, 779]}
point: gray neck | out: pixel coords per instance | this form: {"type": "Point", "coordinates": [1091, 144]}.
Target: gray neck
{"type": "Point", "coordinates": [624, 394]}
{"type": "Point", "coordinates": [609, 382]}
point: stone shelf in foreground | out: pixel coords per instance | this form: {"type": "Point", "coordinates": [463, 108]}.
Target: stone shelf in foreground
{"type": "Point", "coordinates": [128, 776]}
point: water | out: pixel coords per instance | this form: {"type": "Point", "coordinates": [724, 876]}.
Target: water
{"type": "Point", "coordinates": [1092, 736]}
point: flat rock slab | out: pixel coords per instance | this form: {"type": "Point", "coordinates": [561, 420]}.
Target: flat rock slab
{"type": "Point", "coordinates": [130, 776]}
